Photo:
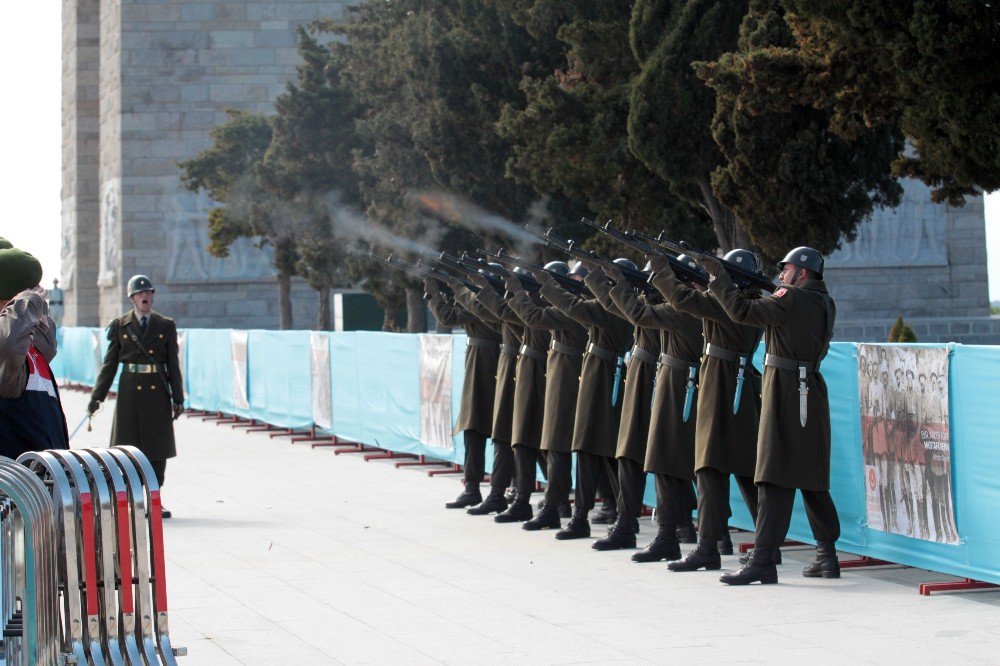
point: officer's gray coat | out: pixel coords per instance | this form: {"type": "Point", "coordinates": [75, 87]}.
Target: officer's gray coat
{"type": "Point", "coordinates": [724, 441]}
{"type": "Point", "coordinates": [529, 383]}
{"type": "Point", "coordinates": [637, 393]}
{"type": "Point", "coordinates": [479, 385]}
{"type": "Point", "coordinates": [595, 424]}
{"type": "Point", "coordinates": [798, 324]}
{"type": "Point", "coordinates": [670, 444]}
{"type": "Point", "coordinates": [562, 370]}
{"type": "Point", "coordinates": [143, 415]}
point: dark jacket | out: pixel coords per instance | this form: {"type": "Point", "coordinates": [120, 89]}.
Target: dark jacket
{"type": "Point", "coordinates": [143, 416]}
{"type": "Point", "coordinates": [798, 324]}
{"type": "Point", "coordinates": [725, 441]}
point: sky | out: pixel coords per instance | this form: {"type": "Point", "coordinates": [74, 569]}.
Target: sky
{"type": "Point", "coordinates": [30, 206]}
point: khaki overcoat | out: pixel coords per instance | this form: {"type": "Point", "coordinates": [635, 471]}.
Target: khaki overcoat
{"type": "Point", "coordinates": [725, 441]}
{"type": "Point", "coordinates": [798, 324]}
{"type": "Point", "coordinates": [143, 414]}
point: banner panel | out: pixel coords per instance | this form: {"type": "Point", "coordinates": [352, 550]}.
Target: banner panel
{"type": "Point", "coordinates": [903, 396]}
{"type": "Point", "coordinates": [209, 369]}
{"type": "Point", "coordinates": [435, 391]}
{"type": "Point", "coordinates": [278, 377]}
{"type": "Point", "coordinates": [238, 354]}
{"type": "Point", "coordinates": [319, 368]}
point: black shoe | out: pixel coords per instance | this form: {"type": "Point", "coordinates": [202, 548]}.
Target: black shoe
{"type": "Point", "coordinates": [752, 572]}
{"type": "Point", "coordinates": [702, 557]}
{"type": "Point", "coordinates": [605, 516]}
{"type": "Point", "coordinates": [618, 538]}
{"type": "Point", "coordinates": [663, 547]}
{"type": "Point", "coordinates": [165, 513]}
{"type": "Point", "coordinates": [635, 525]}
{"type": "Point", "coordinates": [489, 505]}
{"type": "Point", "coordinates": [515, 513]}
{"type": "Point", "coordinates": [826, 564]}
{"type": "Point", "coordinates": [775, 556]}
{"type": "Point", "coordinates": [577, 528]}
{"type": "Point", "coordinates": [545, 520]}
{"type": "Point", "coordinates": [466, 499]}
{"type": "Point", "coordinates": [726, 545]}
{"type": "Point", "coordinates": [511, 495]}
{"type": "Point", "coordinates": [565, 510]}
{"type": "Point", "coordinates": [687, 534]}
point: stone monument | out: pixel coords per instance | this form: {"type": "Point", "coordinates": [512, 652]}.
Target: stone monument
{"type": "Point", "coordinates": [143, 84]}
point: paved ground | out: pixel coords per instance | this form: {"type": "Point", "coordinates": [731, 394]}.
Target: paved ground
{"type": "Point", "coordinates": [283, 554]}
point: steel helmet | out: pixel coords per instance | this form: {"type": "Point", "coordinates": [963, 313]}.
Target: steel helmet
{"type": "Point", "coordinates": [744, 258]}
{"type": "Point", "coordinates": [139, 283]}
{"type": "Point", "coordinates": [579, 269]}
{"type": "Point", "coordinates": [622, 262]}
{"type": "Point", "coordinates": [687, 261]}
{"type": "Point", "coordinates": [804, 257]}
{"type": "Point", "coordinates": [517, 270]}
{"type": "Point", "coordinates": [560, 267]}
{"type": "Point", "coordinates": [648, 268]}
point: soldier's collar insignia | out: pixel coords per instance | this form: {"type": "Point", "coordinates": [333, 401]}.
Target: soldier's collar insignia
{"type": "Point", "coordinates": [781, 292]}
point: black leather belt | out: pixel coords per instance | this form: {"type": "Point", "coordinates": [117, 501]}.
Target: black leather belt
{"type": "Point", "coordinates": [601, 352]}
{"type": "Point", "coordinates": [565, 349]}
{"type": "Point", "coordinates": [482, 342]}
{"type": "Point", "coordinates": [723, 353]}
{"type": "Point", "coordinates": [530, 352]}
{"type": "Point", "coordinates": [139, 367]}
{"type": "Point", "coordinates": [788, 363]}
{"type": "Point", "coordinates": [679, 363]}
{"type": "Point", "coordinates": [643, 355]}
{"type": "Point", "coordinates": [508, 349]}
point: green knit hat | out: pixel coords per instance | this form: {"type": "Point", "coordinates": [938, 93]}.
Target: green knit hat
{"type": "Point", "coordinates": [5, 244]}
{"type": "Point", "coordinates": [18, 271]}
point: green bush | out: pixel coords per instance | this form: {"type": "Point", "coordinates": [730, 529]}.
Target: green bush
{"type": "Point", "coordinates": [900, 332]}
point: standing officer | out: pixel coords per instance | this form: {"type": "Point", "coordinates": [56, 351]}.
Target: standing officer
{"type": "Point", "coordinates": [475, 419]}
{"type": "Point", "coordinates": [151, 389]}
{"type": "Point", "coordinates": [793, 442]}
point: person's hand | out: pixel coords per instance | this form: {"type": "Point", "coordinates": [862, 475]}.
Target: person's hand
{"type": "Point", "coordinates": [178, 410]}
{"type": "Point", "coordinates": [479, 280]}
{"type": "Point", "coordinates": [589, 264]}
{"type": "Point", "coordinates": [93, 406]}
{"type": "Point", "coordinates": [613, 272]}
{"type": "Point", "coordinates": [431, 286]}
{"type": "Point", "coordinates": [541, 275]}
{"type": "Point", "coordinates": [513, 283]}
{"type": "Point", "coordinates": [711, 265]}
{"type": "Point", "coordinates": [657, 262]}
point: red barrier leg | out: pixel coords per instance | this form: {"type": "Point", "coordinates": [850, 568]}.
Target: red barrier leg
{"type": "Point", "coordinates": [287, 432]}
{"type": "Point", "coordinates": [388, 455]}
{"type": "Point", "coordinates": [249, 424]}
{"type": "Point", "coordinates": [312, 437]}
{"type": "Point", "coordinates": [421, 461]}
{"type": "Point", "coordinates": [454, 469]}
{"type": "Point", "coordinates": [863, 561]}
{"type": "Point", "coordinates": [354, 447]}
{"type": "Point", "coordinates": [927, 589]}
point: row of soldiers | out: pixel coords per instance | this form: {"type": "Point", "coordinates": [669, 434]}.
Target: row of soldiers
{"type": "Point", "coordinates": [545, 379]}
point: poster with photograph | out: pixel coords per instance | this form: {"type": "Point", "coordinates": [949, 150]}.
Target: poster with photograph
{"type": "Point", "coordinates": [435, 391]}
{"type": "Point", "coordinates": [319, 365]}
{"type": "Point", "coordinates": [906, 442]}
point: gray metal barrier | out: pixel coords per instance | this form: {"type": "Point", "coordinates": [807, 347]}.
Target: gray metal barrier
{"type": "Point", "coordinates": [106, 551]}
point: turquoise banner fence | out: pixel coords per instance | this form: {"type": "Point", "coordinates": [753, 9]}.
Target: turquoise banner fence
{"type": "Point", "coordinates": [375, 396]}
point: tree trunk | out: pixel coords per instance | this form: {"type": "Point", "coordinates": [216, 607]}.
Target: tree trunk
{"type": "Point", "coordinates": [323, 314]}
{"type": "Point", "coordinates": [416, 320]}
{"type": "Point", "coordinates": [389, 319]}
{"type": "Point", "coordinates": [284, 301]}
{"type": "Point", "coordinates": [729, 232]}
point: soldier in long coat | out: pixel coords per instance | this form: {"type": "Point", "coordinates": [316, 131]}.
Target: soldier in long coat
{"type": "Point", "coordinates": [151, 389]}
{"type": "Point", "coordinates": [793, 442]}
{"type": "Point", "coordinates": [728, 416]}
{"type": "Point", "coordinates": [633, 430]}
{"type": "Point", "coordinates": [503, 402]}
{"type": "Point", "coordinates": [529, 405]}
{"type": "Point", "coordinates": [475, 418]}
{"type": "Point", "coordinates": [595, 425]}
{"type": "Point", "coordinates": [562, 383]}
{"type": "Point", "coordinates": [670, 440]}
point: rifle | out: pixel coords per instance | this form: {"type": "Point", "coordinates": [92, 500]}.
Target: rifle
{"type": "Point", "coordinates": [420, 272]}
{"type": "Point", "coordinates": [529, 282]}
{"type": "Point", "coordinates": [643, 243]}
{"type": "Point", "coordinates": [742, 278]}
{"type": "Point", "coordinates": [457, 266]}
{"type": "Point", "coordinates": [636, 278]}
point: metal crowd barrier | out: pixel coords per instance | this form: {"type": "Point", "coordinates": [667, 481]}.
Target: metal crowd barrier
{"type": "Point", "coordinates": [91, 585]}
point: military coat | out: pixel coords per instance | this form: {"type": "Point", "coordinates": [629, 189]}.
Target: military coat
{"type": "Point", "coordinates": [143, 414]}
{"type": "Point", "coordinates": [562, 370]}
{"type": "Point", "coordinates": [529, 382]}
{"type": "Point", "coordinates": [798, 324]}
{"type": "Point", "coordinates": [479, 385]}
{"type": "Point", "coordinates": [637, 395]}
{"type": "Point", "coordinates": [503, 400]}
{"type": "Point", "coordinates": [595, 424]}
{"type": "Point", "coordinates": [725, 441]}
{"type": "Point", "coordinates": [670, 442]}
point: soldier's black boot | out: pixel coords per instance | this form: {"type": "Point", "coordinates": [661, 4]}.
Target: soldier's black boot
{"type": "Point", "coordinates": [759, 569]}
{"type": "Point", "coordinates": [546, 519]}
{"type": "Point", "coordinates": [565, 510]}
{"type": "Point", "coordinates": [826, 564]}
{"type": "Point", "coordinates": [577, 528]}
{"type": "Point", "coordinates": [686, 533]}
{"type": "Point", "coordinates": [664, 546]}
{"type": "Point", "coordinates": [517, 512]}
{"type": "Point", "coordinates": [469, 497]}
{"type": "Point", "coordinates": [622, 535]}
{"type": "Point", "coordinates": [775, 556]}
{"type": "Point", "coordinates": [606, 515]}
{"type": "Point", "coordinates": [726, 545]}
{"type": "Point", "coordinates": [492, 504]}
{"type": "Point", "coordinates": [705, 556]}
